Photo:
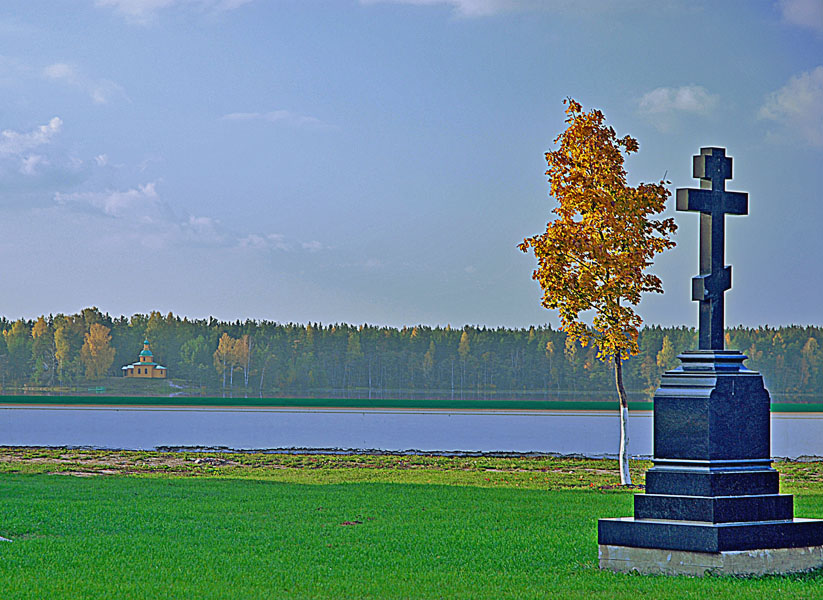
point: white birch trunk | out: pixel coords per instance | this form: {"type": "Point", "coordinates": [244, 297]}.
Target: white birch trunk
{"type": "Point", "coordinates": [248, 362]}
{"type": "Point", "coordinates": [625, 476]}
{"type": "Point", "coordinates": [452, 379]}
{"type": "Point", "coordinates": [623, 458]}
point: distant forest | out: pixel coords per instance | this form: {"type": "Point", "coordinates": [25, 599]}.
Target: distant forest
{"type": "Point", "coordinates": [207, 356]}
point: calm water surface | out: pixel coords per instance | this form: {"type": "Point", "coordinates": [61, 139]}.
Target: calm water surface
{"type": "Point", "coordinates": [592, 433]}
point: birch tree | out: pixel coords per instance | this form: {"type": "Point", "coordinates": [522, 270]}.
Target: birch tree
{"type": "Point", "coordinates": [97, 354]}
{"type": "Point", "coordinates": [594, 253]}
{"type": "Point", "coordinates": [222, 356]}
{"type": "Point", "coordinates": [68, 339]}
{"type": "Point", "coordinates": [463, 350]}
{"type": "Point", "coordinates": [243, 351]}
{"type": "Point", "coordinates": [43, 350]}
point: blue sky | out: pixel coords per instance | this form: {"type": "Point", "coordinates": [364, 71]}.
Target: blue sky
{"type": "Point", "coordinates": [378, 161]}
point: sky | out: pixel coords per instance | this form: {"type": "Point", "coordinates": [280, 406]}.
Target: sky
{"type": "Point", "coordinates": [378, 161]}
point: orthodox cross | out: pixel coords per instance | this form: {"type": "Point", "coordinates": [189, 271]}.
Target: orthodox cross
{"type": "Point", "coordinates": [712, 201]}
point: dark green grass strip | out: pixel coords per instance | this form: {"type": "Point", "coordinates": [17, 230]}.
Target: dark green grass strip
{"type": "Point", "coordinates": [324, 402]}
{"type": "Point", "coordinates": [138, 537]}
{"type": "Point", "coordinates": [799, 407]}
{"type": "Point", "coordinates": [495, 404]}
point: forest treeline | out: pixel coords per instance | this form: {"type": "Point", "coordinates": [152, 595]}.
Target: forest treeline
{"type": "Point", "coordinates": [340, 360]}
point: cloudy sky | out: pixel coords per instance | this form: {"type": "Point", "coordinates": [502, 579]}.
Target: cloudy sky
{"type": "Point", "coordinates": [379, 160]}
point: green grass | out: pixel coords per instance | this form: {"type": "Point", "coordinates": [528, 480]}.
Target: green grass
{"type": "Point", "coordinates": [155, 525]}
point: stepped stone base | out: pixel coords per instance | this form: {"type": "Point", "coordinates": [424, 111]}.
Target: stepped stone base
{"type": "Point", "coordinates": [764, 561]}
{"type": "Point", "coordinates": [694, 536]}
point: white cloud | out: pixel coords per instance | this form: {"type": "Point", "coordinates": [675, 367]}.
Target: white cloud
{"type": "Point", "coordinates": [101, 91]}
{"type": "Point", "coordinates": [798, 108]}
{"type": "Point", "coordinates": [803, 13]}
{"type": "Point", "coordinates": [204, 230]}
{"type": "Point", "coordinates": [271, 241]}
{"type": "Point", "coordinates": [141, 215]}
{"type": "Point", "coordinates": [664, 106]}
{"type": "Point", "coordinates": [277, 241]}
{"type": "Point", "coordinates": [312, 246]}
{"type": "Point", "coordinates": [144, 216]}
{"type": "Point", "coordinates": [688, 98]}
{"type": "Point", "coordinates": [102, 160]}
{"type": "Point", "coordinates": [225, 5]}
{"type": "Point", "coordinates": [60, 71]}
{"type": "Point", "coordinates": [32, 161]}
{"type": "Point", "coordinates": [143, 11]}
{"type": "Point", "coordinates": [141, 203]}
{"type": "Point", "coordinates": [277, 116]}
{"type": "Point", "coordinates": [15, 143]}
{"type": "Point", "coordinates": [29, 164]}
{"type": "Point", "coordinates": [487, 8]}
{"type": "Point", "coordinates": [136, 8]}
{"type": "Point", "coordinates": [467, 8]}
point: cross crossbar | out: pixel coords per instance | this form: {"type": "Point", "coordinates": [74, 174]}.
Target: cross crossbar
{"type": "Point", "coordinates": [708, 201]}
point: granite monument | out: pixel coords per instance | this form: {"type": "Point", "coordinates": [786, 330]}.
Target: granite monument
{"type": "Point", "coordinates": [711, 502]}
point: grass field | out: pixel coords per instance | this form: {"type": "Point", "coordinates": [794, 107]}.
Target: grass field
{"type": "Point", "coordinates": [91, 524]}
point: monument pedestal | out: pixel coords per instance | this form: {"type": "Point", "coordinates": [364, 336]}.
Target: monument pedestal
{"type": "Point", "coordinates": [654, 561]}
{"type": "Point", "coordinates": [712, 500]}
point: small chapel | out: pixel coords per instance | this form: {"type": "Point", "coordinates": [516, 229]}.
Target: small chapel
{"type": "Point", "coordinates": [145, 366]}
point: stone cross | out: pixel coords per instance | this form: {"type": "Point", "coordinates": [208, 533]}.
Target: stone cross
{"type": "Point", "coordinates": [712, 201]}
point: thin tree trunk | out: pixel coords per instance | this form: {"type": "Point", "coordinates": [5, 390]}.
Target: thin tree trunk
{"type": "Point", "coordinates": [452, 379]}
{"type": "Point", "coordinates": [262, 372]}
{"type": "Point", "coordinates": [248, 362]}
{"type": "Point", "coordinates": [625, 476]}
{"type": "Point", "coordinates": [53, 353]}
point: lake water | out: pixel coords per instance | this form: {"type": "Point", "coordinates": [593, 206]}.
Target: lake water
{"type": "Point", "coordinates": [590, 433]}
